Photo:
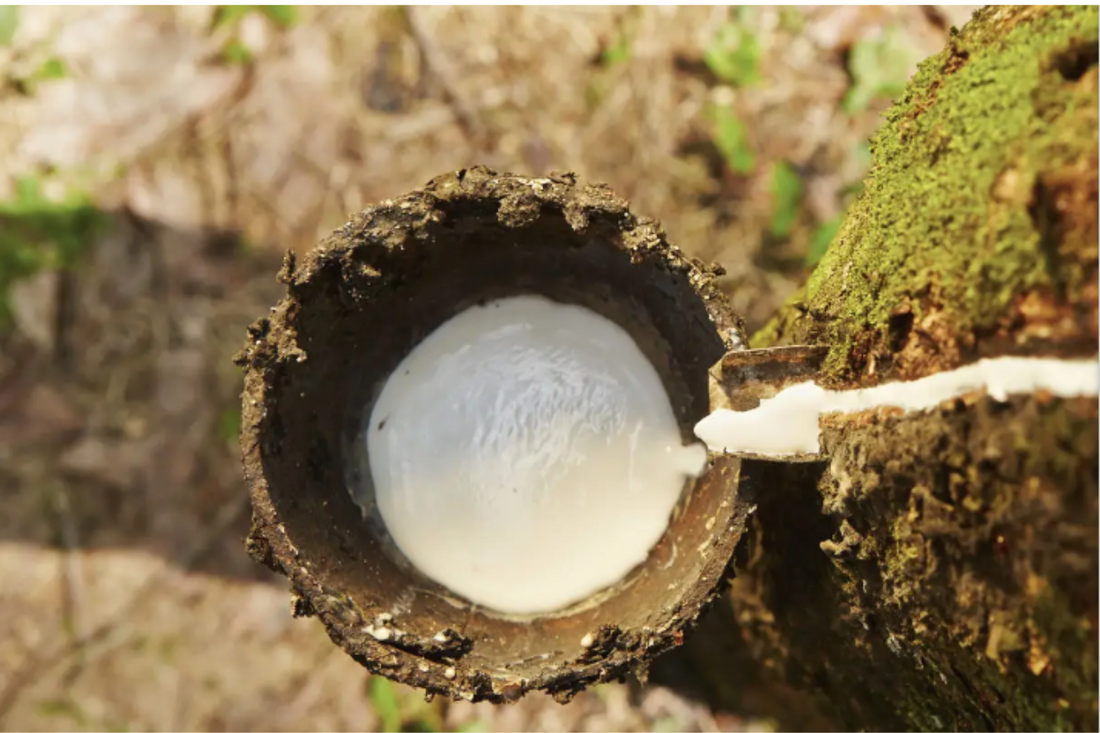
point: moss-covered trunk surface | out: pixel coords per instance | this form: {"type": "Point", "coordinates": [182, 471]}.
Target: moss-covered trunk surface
{"type": "Point", "coordinates": [939, 570]}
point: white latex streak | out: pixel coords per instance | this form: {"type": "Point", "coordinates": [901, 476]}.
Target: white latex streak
{"type": "Point", "coordinates": [788, 424]}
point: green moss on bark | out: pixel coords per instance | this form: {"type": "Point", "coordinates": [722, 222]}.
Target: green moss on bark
{"type": "Point", "coordinates": [980, 194]}
{"type": "Point", "coordinates": [938, 573]}
{"type": "Point", "coordinates": [939, 570]}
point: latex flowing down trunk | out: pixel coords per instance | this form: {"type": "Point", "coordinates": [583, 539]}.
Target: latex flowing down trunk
{"type": "Point", "coordinates": [939, 570]}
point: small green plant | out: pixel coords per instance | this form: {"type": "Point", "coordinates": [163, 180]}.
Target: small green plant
{"type": "Point", "coordinates": [791, 20]}
{"type": "Point", "coordinates": [63, 708]}
{"type": "Point", "coordinates": [9, 23]}
{"type": "Point", "coordinates": [732, 140]}
{"type": "Point", "coordinates": [229, 14]}
{"type": "Point", "coordinates": [734, 53]}
{"type": "Point", "coordinates": [229, 424]}
{"type": "Point", "coordinates": [879, 68]}
{"type": "Point", "coordinates": [237, 51]}
{"type": "Point", "coordinates": [383, 697]}
{"type": "Point", "coordinates": [51, 69]}
{"type": "Point", "coordinates": [284, 16]}
{"type": "Point", "coordinates": [823, 237]}
{"type": "Point", "coordinates": [38, 234]}
{"type": "Point", "coordinates": [617, 53]}
{"type": "Point", "coordinates": [48, 70]}
{"type": "Point", "coordinates": [786, 189]}
{"type": "Point", "coordinates": [405, 713]}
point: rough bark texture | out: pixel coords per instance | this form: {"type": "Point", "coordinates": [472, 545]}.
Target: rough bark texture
{"type": "Point", "coordinates": [939, 570]}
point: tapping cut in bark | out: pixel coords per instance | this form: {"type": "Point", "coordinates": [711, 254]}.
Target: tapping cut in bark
{"type": "Point", "coordinates": [786, 425]}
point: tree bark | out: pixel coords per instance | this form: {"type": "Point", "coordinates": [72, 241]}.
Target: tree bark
{"type": "Point", "coordinates": [939, 570]}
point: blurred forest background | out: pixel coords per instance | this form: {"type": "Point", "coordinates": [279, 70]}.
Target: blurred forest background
{"type": "Point", "coordinates": [156, 164]}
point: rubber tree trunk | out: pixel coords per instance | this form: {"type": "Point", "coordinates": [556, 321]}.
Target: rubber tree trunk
{"type": "Point", "coordinates": [939, 571]}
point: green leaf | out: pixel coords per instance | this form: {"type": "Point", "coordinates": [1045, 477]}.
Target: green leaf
{"type": "Point", "coordinates": [734, 55]}
{"type": "Point", "coordinates": [9, 23]}
{"type": "Point", "coordinates": [420, 715]}
{"type": "Point", "coordinates": [51, 69]}
{"type": "Point", "coordinates": [27, 193]}
{"type": "Point", "coordinates": [822, 238]}
{"type": "Point", "coordinates": [226, 14]}
{"type": "Point", "coordinates": [74, 227]}
{"type": "Point", "coordinates": [235, 52]}
{"type": "Point", "coordinates": [786, 198]}
{"type": "Point", "coordinates": [38, 234]}
{"type": "Point", "coordinates": [229, 425]}
{"type": "Point", "coordinates": [617, 53]}
{"type": "Point", "coordinates": [733, 142]}
{"type": "Point", "coordinates": [791, 20]}
{"type": "Point", "coordinates": [58, 707]}
{"type": "Point", "coordinates": [383, 696]}
{"type": "Point", "coordinates": [284, 16]}
{"type": "Point", "coordinates": [879, 68]}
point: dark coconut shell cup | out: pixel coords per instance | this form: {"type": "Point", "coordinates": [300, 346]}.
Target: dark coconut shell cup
{"type": "Point", "coordinates": [354, 308]}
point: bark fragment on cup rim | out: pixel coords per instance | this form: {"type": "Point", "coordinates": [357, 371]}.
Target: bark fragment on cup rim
{"type": "Point", "coordinates": [354, 307]}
